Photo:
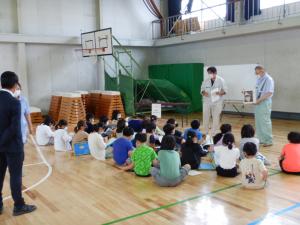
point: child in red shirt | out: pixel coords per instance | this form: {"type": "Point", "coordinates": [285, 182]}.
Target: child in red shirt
{"type": "Point", "coordinates": [290, 155]}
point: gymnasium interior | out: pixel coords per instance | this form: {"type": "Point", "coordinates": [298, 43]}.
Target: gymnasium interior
{"type": "Point", "coordinates": [140, 58]}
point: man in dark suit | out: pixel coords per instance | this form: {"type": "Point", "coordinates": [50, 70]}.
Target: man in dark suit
{"type": "Point", "coordinates": [11, 145]}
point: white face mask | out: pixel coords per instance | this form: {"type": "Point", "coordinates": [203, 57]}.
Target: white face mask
{"type": "Point", "coordinates": [119, 116]}
{"type": "Point", "coordinates": [17, 93]}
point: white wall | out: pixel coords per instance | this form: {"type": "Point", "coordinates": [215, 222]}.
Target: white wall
{"type": "Point", "coordinates": [8, 16]}
{"type": "Point", "coordinates": [53, 68]}
{"type": "Point", "coordinates": [57, 17]}
{"type": "Point", "coordinates": [279, 51]}
{"type": "Point", "coordinates": [8, 56]}
{"type": "Point", "coordinates": [129, 19]}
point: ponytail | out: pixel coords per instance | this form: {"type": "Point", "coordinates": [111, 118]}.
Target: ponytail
{"type": "Point", "coordinates": [76, 129]}
{"type": "Point", "coordinates": [190, 136]}
{"type": "Point", "coordinates": [228, 140]}
{"type": "Point", "coordinates": [81, 123]}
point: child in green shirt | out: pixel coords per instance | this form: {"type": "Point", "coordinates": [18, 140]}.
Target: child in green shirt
{"type": "Point", "coordinates": [142, 157]}
{"type": "Point", "coordinates": [169, 172]}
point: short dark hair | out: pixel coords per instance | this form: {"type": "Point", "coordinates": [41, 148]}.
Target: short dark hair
{"type": "Point", "coordinates": [168, 129]}
{"type": "Point", "coordinates": [172, 121]}
{"type": "Point", "coordinates": [247, 131]}
{"type": "Point", "coordinates": [128, 131]}
{"type": "Point", "coordinates": [115, 114]}
{"type": "Point", "coordinates": [150, 127]}
{"type": "Point", "coordinates": [9, 79]}
{"type": "Point", "coordinates": [225, 128]}
{"type": "Point", "coordinates": [212, 69]}
{"type": "Point", "coordinates": [195, 124]}
{"type": "Point", "coordinates": [103, 119]}
{"type": "Point", "coordinates": [141, 137]}
{"type": "Point", "coordinates": [48, 120]}
{"type": "Point", "coordinates": [97, 126]}
{"type": "Point", "coordinates": [294, 137]}
{"type": "Point", "coordinates": [228, 140]}
{"type": "Point", "coordinates": [121, 124]}
{"type": "Point", "coordinates": [89, 116]}
{"type": "Point", "coordinates": [250, 149]}
{"type": "Point", "coordinates": [153, 118]}
{"type": "Point", "coordinates": [62, 123]}
{"type": "Point", "coordinates": [190, 136]}
{"type": "Point", "coordinates": [168, 142]}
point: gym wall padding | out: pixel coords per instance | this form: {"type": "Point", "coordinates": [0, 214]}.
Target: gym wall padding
{"type": "Point", "coordinates": [187, 76]}
{"type": "Point", "coordinates": [126, 88]}
{"type": "Point", "coordinates": [111, 83]}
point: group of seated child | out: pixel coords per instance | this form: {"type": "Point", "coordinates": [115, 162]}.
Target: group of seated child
{"type": "Point", "coordinates": [168, 155]}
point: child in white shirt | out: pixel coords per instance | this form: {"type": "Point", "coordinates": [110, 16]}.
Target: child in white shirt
{"type": "Point", "coordinates": [226, 157]}
{"type": "Point", "coordinates": [254, 173]}
{"type": "Point", "coordinates": [62, 140]}
{"type": "Point", "coordinates": [44, 133]}
{"type": "Point", "coordinates": [96, 142]}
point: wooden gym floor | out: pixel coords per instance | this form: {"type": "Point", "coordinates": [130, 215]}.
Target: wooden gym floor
{"type": "Point", "coordinates": [85, 191]}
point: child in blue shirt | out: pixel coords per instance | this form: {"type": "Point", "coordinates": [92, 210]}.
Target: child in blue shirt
{"type": "Point", "coordinates": [195, 125]}
{"type": "Point", "coordinates": [122, 147]}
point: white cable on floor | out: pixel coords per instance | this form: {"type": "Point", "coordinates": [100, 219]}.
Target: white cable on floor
{"type": "Point", "coordinates": [44, 161]}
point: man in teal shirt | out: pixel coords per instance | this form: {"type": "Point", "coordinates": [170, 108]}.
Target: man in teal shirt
{"type": "Point", "coordinates": [263, 108]}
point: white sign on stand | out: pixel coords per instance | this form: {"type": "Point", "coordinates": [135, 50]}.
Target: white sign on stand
{"type": "Point", "coordinates": [156, 110]}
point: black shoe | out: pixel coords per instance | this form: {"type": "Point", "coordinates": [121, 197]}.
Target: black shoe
{"type": "Point", "coordinates": [23, 210]}
{"type": "Point", "coordinates": [1, 210]}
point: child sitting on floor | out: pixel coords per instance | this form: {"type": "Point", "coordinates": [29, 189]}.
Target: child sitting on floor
{"type": "Point", "coordinates": [96, 142]}
{"type": "Point", "coordinates": [80, 134]}
{"type": "Point", "coordinates": [247, 134]}
{"type": "Point", "coordinates": [44, 133]}
{"type": "Point", "coordinates": [136, 122]}
{"type": "Point", "coordinates": [108, 129]}
{"type": "Point", "coordinates": [290, 156]}
{"type": "Point", "coordinates": [158, 131]}
{"type": "Point", "coordinates": [172, 121]}
{"type": "Point", "coordinates": [62, 140]}
{"type": "Point", "coordinates": [254, 173]}
{"type": "Point", "coordinates": [152, 138]}
{"type": "Point", "coordinates": [218, 138]}
{"type": "Point", "coordinates": [195, 125]}
{"type": "Point", "coordinates": [226, 157]}
{"type": "Point", "coordinates": [122, 147]}
{"type": "Point", "coordinates": [90, 119]}
{"type": "Point", "coordinates": [191, 151]}
{"type": "Point", "coordinates": [169, 172]}
{"type": "Point", "coordinates": [142, 157]}
{"type": "Point", "coordinates": [121, 124]}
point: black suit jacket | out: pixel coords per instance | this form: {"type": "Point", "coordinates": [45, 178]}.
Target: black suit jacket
{"type": "Point", "coordinates": [10, 123]}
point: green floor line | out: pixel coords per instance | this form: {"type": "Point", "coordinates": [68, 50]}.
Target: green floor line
{"type": "Point", "coordinates": [177, 203]}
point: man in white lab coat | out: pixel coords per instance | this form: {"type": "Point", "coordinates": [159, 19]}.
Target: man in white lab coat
{"type": "Point", "coordinates": [213, 90]}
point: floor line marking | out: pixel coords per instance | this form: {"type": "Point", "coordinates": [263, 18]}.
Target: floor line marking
{"type": "Point", "coordinates": [278, 213]}
{"type": "Point", "coordinates": [33, 164]}
{"type": "Point", "coordinates": [176, 203]}
{"type": "Point", "coordinates": [44, 162]}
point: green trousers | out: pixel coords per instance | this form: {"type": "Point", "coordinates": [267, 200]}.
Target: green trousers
{"type": "Point", "coordinates": [263, 122]}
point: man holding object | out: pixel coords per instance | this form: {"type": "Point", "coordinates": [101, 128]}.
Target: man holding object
{"type": "Point", "coordinates": [263, 106]}
{"type": "Point", "coordinates": [213, 89]}
{"type": "Point", "coordinates": [11, 144]}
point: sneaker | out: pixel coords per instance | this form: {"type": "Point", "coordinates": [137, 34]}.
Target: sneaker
{"type": "Point", "coordinates": [24, 209]}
